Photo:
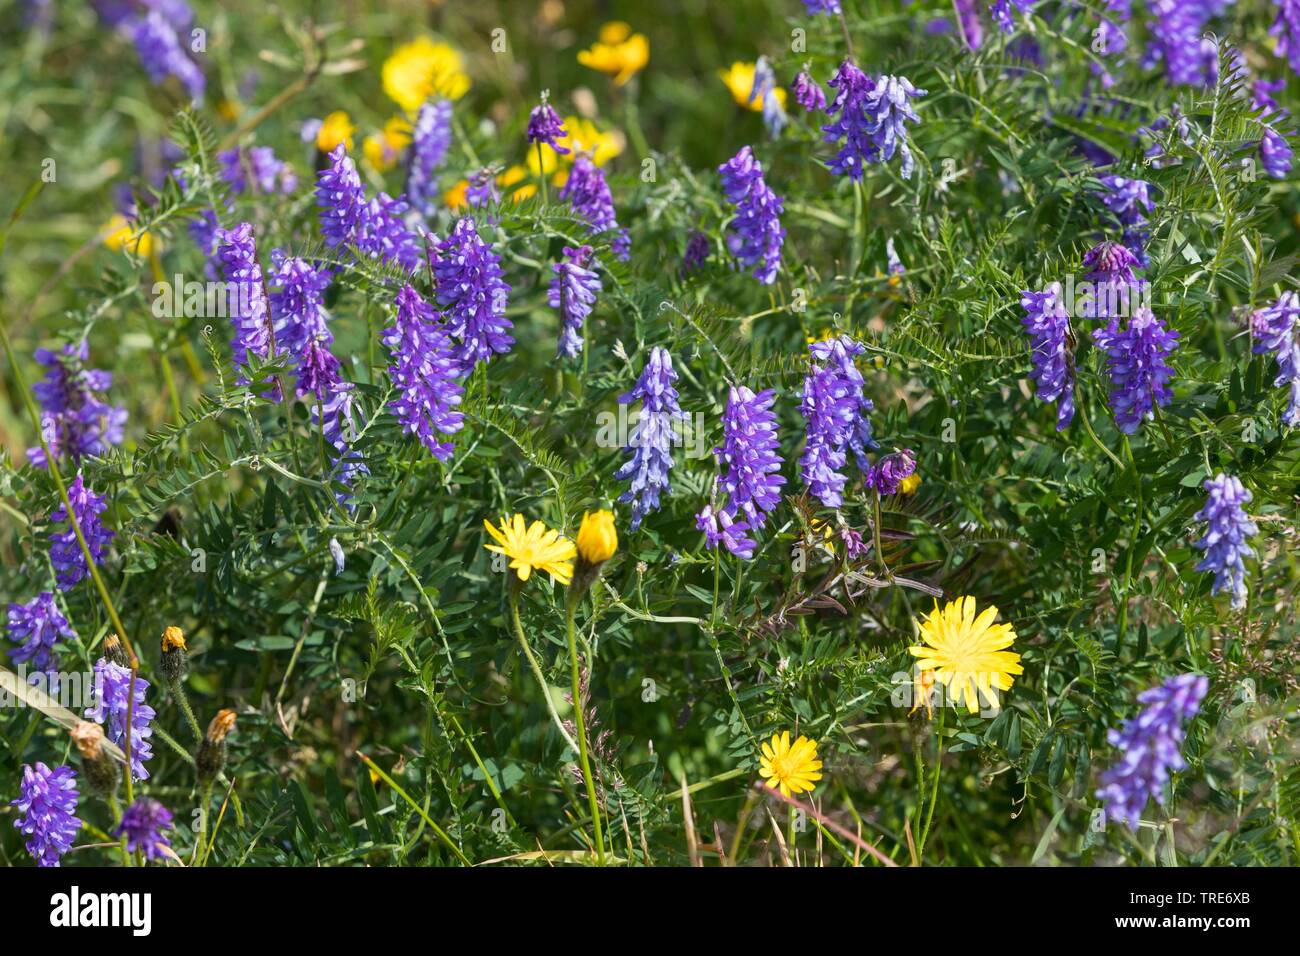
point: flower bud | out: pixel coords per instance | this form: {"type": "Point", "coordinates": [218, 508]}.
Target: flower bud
{"type": "Point", "coordinates": [99, 770]}
{"type": "Point", "coordinates": [115, 652]}
{"type": "Point", "coordinates": [211, 758]}
{"type": "Point", "coordinates": [175, 654]}
{"type": "Point", "coordinates": [596, 543]}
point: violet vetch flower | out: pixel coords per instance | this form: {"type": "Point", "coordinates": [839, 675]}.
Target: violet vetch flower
{"type": "Point", "coordinates": [886, 476]}
{"type": "Point", "coordinates": [250, 312]}
{"type": "Point", "coordinates": [808, 93]}
{"type": "Point", "coordinates": [261, 166]}
{"type": "Point", "coordinates": [751, 470]}
{"type": "Point", "coordinates": [424, 372]}
{"type": "Point", "coordinates": [386, 236]}
{"type": "Point", "coordinates": [1048, 326]}
{"type": "Point", "coordinates": [1130, 201]}
{"type": "Point", "coordinates": [143, 823]}
{"type": "Point", "coordinates": [474, 295]}
{"type": "Point", "coordinates": [337, 420]}
{"type": "Point", "coordinates": [854, 546]}
{"type": "Point", "coordinates": [815, 7]}
{"type": "Point", "coordinates": [162, 55]}
{"type": "Point", "coordinates": [65, 551]}
{"type": "Point", "coordinates": [755, 235]}
{"type": "Point", "coordinates": [1286, 28]}
{"type": "Point", "coordinates": [836, 414]}
{"type": "Point", "coordinates": [764, 90]}
{"type": "Point", "coordinates": [1150, 747]}
{"type": "Point", "coordinates": [342, 200]}
{"type": "Point", "coordinates": [573, 291]}
{"type": "Point", "coordinates": [1274, 150]}
{"type": "Point", "coordinates": [47, 804]}
{"type": "Point", "coordinates": [1136, 362]}
{"type": "Point", "coordinates": [651, 443]}
{"type": "Point", "coordinates": [871, 117]}
{"type": "Point", "coordinates": [301, 325]}
{"type": "Point", "coordinates": [720, 528]}
{"type": "Point", "coordinates": [1227, 528]}
{"type": "Point", "coordinates": [968, 21]}
{"type": "Point", "coordinates": [544, 126]}
{"type": "Point", "coordinates": [109, 705]}
{"type": "Point", "coordinates": [698, 250]}
{"type": "Point", "coordinates": [1179, 40]}
{"type": "Point", "coordinates": [482, 188]}
{"type": "Point", "coordinates": [1004, 12]}
{"type": "Point", "coordinates": [1274, 330]}
{"type": "Point", "coordinates": [37, 626]}
{"type": "Point", "coordinates": [588, 193]}
{"type": "Point", "coordinates": [430, 141]}
{"type": "Point", "coordinates": [75, 419]}
{"type": "Point", "coordinates": [893, 263]}
{"type": "Point", "coordinates": [1109, 267]}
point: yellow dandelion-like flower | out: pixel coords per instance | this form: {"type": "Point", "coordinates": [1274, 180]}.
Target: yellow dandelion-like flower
{"type": "Point", "coordinates": [967, 653]}
{"type": "Point", "coordinates": [597, 537]}
{"type": "Point", "coordinates": [536, 548]}
{"type": "Point", "coordinates": [740, 81]}
{"type": "Point", "coordinates": [790, 768]}
{"type": "Point", "coordinates": [422, 69]}
{"type": "Point", "coordinates": [334, 129]}
{"type": "Point", "coordinates": [455, 197]}
{"type": "Point", "coordinates": [513, 182]}
{"type": "Point", "coordinates": [619, 53]}
{"type": "Point", "coordinates": [119, 234]}
{"type": "Point", "coordinates": [382, 149]}
{"type": "Point", "coordinates": [909, 484]}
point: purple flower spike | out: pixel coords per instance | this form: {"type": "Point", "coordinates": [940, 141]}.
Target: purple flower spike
{"type": "Point", "coordinates": [342, 200]}
{"type": "Point", "coordinates": [143, 824]}
{"type": "Point", "coordinates": [1227, 528]}
{"type": "Point", "coordinates": [887, 475]}
{"type": "Point", "coordinates": [968, 21]}
{"type": "Point", "coordinates": [65, 551]}
{"type": "Point", "coordinates": [544, 126]}
{"type": "Point", "coordinates": [808, 94]}
{"type": "Point", "coordinates": [573, 291]}
{"type": "Point", "coordinates": [109, 705]}
{"type": "Point", "coordinates": [474, 295]}
{"type": "Point", "coordinates": [1136, 361]}
{"type": "Point", "coordinates": [749, 456]}
{"type": "Point", "coordinates": [651, 443]}
{"type": "Point", "coordinates": [37, 626]}
{"type": "Point", "coordinates": [1150, 747]}
{"type": "Point", "coordinates": [1179, 40]}
{"type": "Point", "coordinates": [75, 419]}
{"type": "Point", "coordinates": [430, 141]}
{"type": "Point", "coordinates": [162, 55]}
{"type": "Point", "coordinates": [871, 120]}
{"type": "Point", "coordinates": [250, 312]}
{"type": "Point", "coordinates": [1274, 331]}
{"type": "Point", "coordinates": [1048, 326]}
{"type": "Point", "coordinates": [1109, 267]}
{"type": "Point", "coordinates": [301, 323]}
{"type": "Point", "coordinates": [1004, 12]}
{"type": "Point", "coordinates": [47, 802]}
{"type": "Point", "coordinates": [836, 414]}
{"type": "Point", "coordinates": [1287, 30]}
{"type": "Point", "coordinates": [588, 193]}
{"type": "Point", "coordinates": [424, 371]}
{"type": "Point", "coordinates": [754, 236]}
{"type": "Point", "coordinates": [815, 7]}
{"type": "Point", "coordinates": [697, 252]}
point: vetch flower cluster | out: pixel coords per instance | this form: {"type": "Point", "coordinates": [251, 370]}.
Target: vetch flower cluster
{"type": "Point", "coordinates": [650, 446]}
{"type": "Point", "coordinates": [65, 550]}
{"type": "Point", "coordinates": [588, 194]}
{"type": "Point", "coordinates": [751, 476]}
{"type": "Point", "coordinates": [1150, 747]}
{"type": "Point", "coordinates": [1224, 543]}
{"type": "Point", "coordinates": [250, 313]}
{"type": "Point", "coordinates": [75, 419]}
{"type": "Point", "coordinates": [301, 324]}
{"type": "Point", "coordinates": [1130, 201]}
{"type": "Point", "coordinates": [573, 292]}
{"type": "Point", "coordinates": [162, 55]}
{"type": "Point", "coordinates": [143, 824]}
{"type": "Point", "coordinates": [430, 141]}
{"type": "Point", "coordinates": [109, 705]}
{"type": "Point", "coordinates": [424, 373]}
{"type": "Point", "coordinates": [835, 409]}
{"type": "Point", "coordinates": [47, 806]}
{"type": "Point", "coordinates": [1136, 360]}
{"type": "Point", "coordinates": [755, 235]}
{"type": "Point", "coordinates": [474, 295]}
{"type": "Point", "coordinates": [1274, 330]}
{"type": "Point", "coordinates": [871, 120]}
{"type": "Point", "coordinates": [1048, 326]}
{"type": "Point", "coordinates": [37, 627]}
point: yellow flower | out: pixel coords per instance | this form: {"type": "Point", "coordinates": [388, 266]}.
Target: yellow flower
{"type": "Point", "coordinates": [119, 233]}
{"type": "Point", "coordinates": [422, 69]}
{"type": "Point", "coordinates": [620, 53]}
{"type": "Point", "coordinates": [173, 638]}
{"type": "Point", "coordinates": [597, 537]}
{"type": "Point", "coordinates": [229, 110]}
{"type": "Point", "coordinates": [740, 80]}
{"type": "Point", "coordinates": [382, 149]}
{"type": "Point", "coordinates": [334, 129]}
{"type": "Point", "coordinates": [455, 197]}
{"type": "Point", "coordinates": [536, 549]}
{"type": "Point", "coordinates": [909, 484]}
{"type": "Point", "coordinates": [967, 653]}
{"type": "Point", "coordinates": [515, 176]}
{"type": "Point", "coordinates": [790, 768]}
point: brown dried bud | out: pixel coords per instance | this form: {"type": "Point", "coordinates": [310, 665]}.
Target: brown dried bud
{"type": "Point", "coordinates": [100, 770]}
{"type": "Point", "coordinates": [211, 758]}
{"type": "Point", "coordinates": [115, 652]}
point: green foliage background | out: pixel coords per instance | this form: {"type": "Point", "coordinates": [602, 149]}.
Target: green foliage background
{"type": "Point", "coordinates": [1083, 542]}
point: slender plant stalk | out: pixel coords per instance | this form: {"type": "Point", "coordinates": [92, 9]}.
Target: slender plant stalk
{"type": "Point", "coordinates": [537, 669]}
{"type": "Point", "coordinates": [580, 721]}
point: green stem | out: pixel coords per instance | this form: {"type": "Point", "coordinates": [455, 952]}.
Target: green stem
{"type": "Point", "coordinates": [579, 720]}
{"type": "Point", "coordinates": [178, 691]}
{"type": "Point", "coordinates": [934, 786]}
{"type": "Point", "coordinates": [537, 669]}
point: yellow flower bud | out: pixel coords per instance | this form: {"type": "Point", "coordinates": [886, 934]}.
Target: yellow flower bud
{"type": "Point", "coordinates": [173, 639]}
{"type": "Point", "coordinates": [597, 537]}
